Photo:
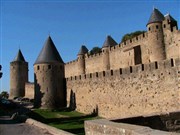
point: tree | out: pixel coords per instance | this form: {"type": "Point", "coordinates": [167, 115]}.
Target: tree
{"type": "Point", "coordinates": [0, 72]}
{"type": "Point", "coordinates": [131, 35]}
{"type": "Point", "coordinates": [4, 94]}
{"type": "Point", "coordinates": [95, 50]}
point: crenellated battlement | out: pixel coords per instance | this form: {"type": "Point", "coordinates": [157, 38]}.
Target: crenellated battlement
{"type": "Point", "coordinates": [136, 39]}
{"type": "Point", "coordinates": [87, 56]}
{"type": "Point", "coordinates": [161, 65]}
{"type": "Point", "coordinates": [71, 62]}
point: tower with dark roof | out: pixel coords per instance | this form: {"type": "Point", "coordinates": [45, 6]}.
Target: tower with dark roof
{"type": "Point", "coordinates": [156, 36]}
{"type": "Point", "coordinates": [49, 78]}
{"type": "Point", "coordinates": [169, 22]}
{"type": "Point", "coordinates": [81, 59]}
{"type": "Point", "coordinates": [109, 42]}
{"type": "Point", "coordinates": [18, 76]}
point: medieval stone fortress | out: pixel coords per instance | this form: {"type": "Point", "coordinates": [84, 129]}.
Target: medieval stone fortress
{"type": "Point", "coordinates": [140, 76]}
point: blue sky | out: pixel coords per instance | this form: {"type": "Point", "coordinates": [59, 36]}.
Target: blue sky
{"type": "Point", "coordinates": [27, 24]}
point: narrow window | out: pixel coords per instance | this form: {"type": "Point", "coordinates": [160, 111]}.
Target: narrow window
{"type": "Point", "coordinates": [172, 63]}
{"type": "Point", "coordinates": [38, 68]}
{"type": "Point", "coordinates": [111, 72]}
{"type": "Point", "coordinates": [130, 69]}
{"type": "Point", "coordinates": [104, 73]}
{"type": "Point", "coordinates": [120, 71]}
{"type": "Point", "coordinates": [149, 29]}
{"type": "Point", "coordinates": [96, 74]}
{"type": "Point", "coordinates": [90, 75]}
{"type": "Point", "coordinates": [157, 27]}
{"type": "Point", "coordinates": [156, 65]}
{"type": "Point", "coordinates": [164, 25]}
{"type": "Point", "coordinates": [49, 66]}
{"type": "Point", "coordinates": [142, 67]}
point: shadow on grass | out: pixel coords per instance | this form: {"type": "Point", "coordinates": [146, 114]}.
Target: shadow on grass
{"type": "Point", "coordinates": [73, 124]}
{"type": "Point", "coordinates": [79, 131]}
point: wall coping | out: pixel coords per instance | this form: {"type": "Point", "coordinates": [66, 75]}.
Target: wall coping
{"type": "Point", "coordinates": [50, 129]}
{"type": "Point", "coordinates": [104, 127]}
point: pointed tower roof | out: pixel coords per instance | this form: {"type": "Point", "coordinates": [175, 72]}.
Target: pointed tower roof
{"type": "Point", "coordinates": [170, 18]}
{"type": "Point", "coordinates": [49, 53]}
{"type": "Point", "coordinates": [156, 16]}
{"type": "Point", "coordinates": [109, 42]}
{"type": "Point", "coordinates": [83, 50]}
{"type": "Point", "coordinates": [19, 56]}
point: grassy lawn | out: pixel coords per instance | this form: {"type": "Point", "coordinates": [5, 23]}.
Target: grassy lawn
{"type": "Point", "coordinates": [71, 121]}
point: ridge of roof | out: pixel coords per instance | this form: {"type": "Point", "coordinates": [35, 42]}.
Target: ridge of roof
{"type": "Point", "coordinates": [169, 17]}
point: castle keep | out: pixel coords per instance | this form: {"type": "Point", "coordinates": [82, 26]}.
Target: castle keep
{"type": "Point", "coordinates": [137, 77]}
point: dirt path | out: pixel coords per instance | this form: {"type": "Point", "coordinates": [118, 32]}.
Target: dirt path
{"type": "Point", "coordinates": [10, 127]}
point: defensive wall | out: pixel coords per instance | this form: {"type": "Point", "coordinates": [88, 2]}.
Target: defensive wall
{"type": "Point", "coordinates": [129, 53]}
{"type": "Point", "coordinates": [126, 92]}
{"type": "Point", "coordinates": [29, 90]}
{"type": "Point", "coordinates": [120, 55]}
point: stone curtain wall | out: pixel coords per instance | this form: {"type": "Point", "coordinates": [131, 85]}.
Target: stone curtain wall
{"type": "Point", "coordinates": [133, 91]}
{"type": "Point", "coordinates": [94, 63]}
{"type": "Point", "coordinates": [29, 90]}
{"type": "Point", "coordinates": [71, 68]}
{"type": "Point", "coordinates": [123, 54]}
{"type": "Point", "coordinates": [172, 43]}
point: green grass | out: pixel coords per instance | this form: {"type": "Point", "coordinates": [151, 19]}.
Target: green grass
{"type": "Point", "coordinates": [56, 114]}
{"type": "Point", "coordinates": [71, 121]}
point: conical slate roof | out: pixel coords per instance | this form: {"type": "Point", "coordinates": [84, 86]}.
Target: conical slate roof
{"type": "Point", "coordinates": [83, 50]}
{"type": "Point", "coordinates": [170, 18]}
{"type": "Point", "coordinates": [156, 16]}
{"type": "Point", "coordinates": [19, 56]}
{"type": "Point", "coordinates": [49, 53]}
{"type": "Point", "coordinates": [109, 42]}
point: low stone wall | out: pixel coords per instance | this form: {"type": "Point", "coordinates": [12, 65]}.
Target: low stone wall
{"type": "Point", "coordinates": [50, 129]}
{"type": "Point", "coordinates": [106, 127]}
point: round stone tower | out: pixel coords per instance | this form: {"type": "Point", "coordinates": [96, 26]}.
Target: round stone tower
{"type": "Point", "coordinates": [156, 36]}
{"type": "Point", "coordinates": [49, 78]}
{"type": "Point", "coordinates": [109, 42]}
{"type": "Point", "coordinates": [18, 76]}
{"type": "Point", "coordinates": [81, 60]}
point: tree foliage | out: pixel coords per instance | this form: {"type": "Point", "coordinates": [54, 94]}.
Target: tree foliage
{"type": "Point", "coordinates": [4, 94]}
{"type": "Point", "coordinates": [95, 50]}
{"type": "Point", "coordinates": [0, 71]}
{"type": "Point", "coordinates": [131, 35]}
